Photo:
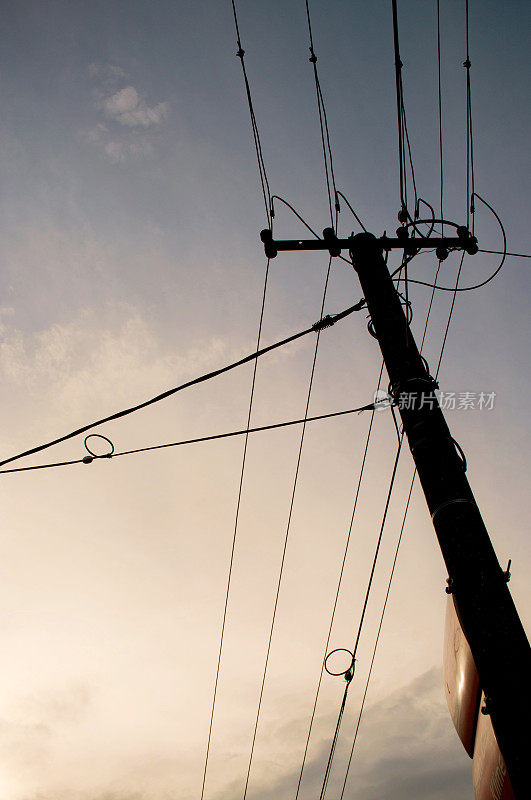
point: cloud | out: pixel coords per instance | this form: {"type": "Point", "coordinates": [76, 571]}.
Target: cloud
{"type": "Point", "coordinates": [128, 108]}
{"type": "Point", "coordinates": [406, 748]}
{"type": "Point", "coordinates": [114, 148]}
{"type": "Point", "coordinates": [123, 136]}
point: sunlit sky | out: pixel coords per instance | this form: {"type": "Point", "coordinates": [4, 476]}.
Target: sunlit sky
{"type": "Point", "coordinates": [131, 262]}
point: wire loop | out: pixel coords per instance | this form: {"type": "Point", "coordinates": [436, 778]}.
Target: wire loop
{"type": "Point", "coordinates": [343, 671]}
{"type": "Point", "coordinates": [98, 436]}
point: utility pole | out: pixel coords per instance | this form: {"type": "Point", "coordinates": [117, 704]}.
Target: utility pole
{"type": "Point", "coordinates": [485, 607]}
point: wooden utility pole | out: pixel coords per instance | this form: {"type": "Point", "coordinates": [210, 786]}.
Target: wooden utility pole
{"type": "Point", "coordinates": [485, 607]}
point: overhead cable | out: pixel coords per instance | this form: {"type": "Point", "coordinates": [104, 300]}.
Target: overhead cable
{"type": "Point", "coordinates": [325, 322]}
{"type": "Point", "coordinates": [400, 537]}
{"type": "Point", "coordinates": [338, 590]}
{"type": "Point", "coordinates": [503, 253]}
{"type": "Point", "coordinates": [286, 537]}
{"type": "Point", "coordinates": [256, 135]}
{"type": "Point", "coordinates": [212, 438]}
{"type": "Point", "coordinates": [400, 439]}
{"type": "Point", "coordinates": [470, 188]}
{"type": "Point", "coordinates": [439, 99]}
{"type": "Point", "coordinates": [325, 134]}
{"type": "Point", "coordinates": [362, 619]}
{"type": "Point", "coordinates": [235, 531]}
{"type": "Point", "coordinates": [389, 583]}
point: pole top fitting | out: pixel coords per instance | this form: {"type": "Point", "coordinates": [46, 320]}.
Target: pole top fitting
{"type": "Point", "coordinates": [362, 242]}
{"type": "Point", "coordinates": [329, 235]}
{"type": "Point", "coordinates": [269, 246]}
{"type": "Point", "coordinates": [470, 243]}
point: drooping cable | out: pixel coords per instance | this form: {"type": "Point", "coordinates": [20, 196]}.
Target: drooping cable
{"type": "Point", "coordinates": [503, 253]}
{"type": "Point", "coordinates": [338, 590]}
{"type": "Point", "coordinates": [333, 202]}
{"type": "Point", "coordinates": [286, 537]}
{"type": "Point", "coordinates": [276, 197]}
{"type": "Point", "coordinates": [324, 322]}
{"type": "Point", "coordinates": [358, 220]}
{"type": "Point", "coordinates": [254, 125]}
{"type": "Point", "coordinates": [235, 532]}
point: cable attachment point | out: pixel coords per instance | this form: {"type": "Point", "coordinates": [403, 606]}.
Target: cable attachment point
{"type": "Point", "coordinates": [87, 459]}
{"type": "Point", "coordinates": [269, 246]}
{"type": "Point", "coordinates": [240, 53]}
{"type": "Point", "coordinates": [334, 248]}
{"type": "Point", "coordinates": [402, 233]}
{"type": "Point", "coordinates": [349, 671]}
{"type": "Point", "coordinates": [92, 454]}
{"type": "Point", "coordinates": [467, 64]}
{"type": "Point", "coordinates": [325, 322]}
{"type": "Point", "coordinates": [460, 453]}
{"type": "Point", "coordinates": [470, 243]}
{"type": "Point", "coordinates": [313, 57]}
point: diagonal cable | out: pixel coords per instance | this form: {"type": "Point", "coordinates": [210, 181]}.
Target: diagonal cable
{"type": "Point", "coordinates": [234, 536]}
{"type": "Point", "coordinates": [286, 537]}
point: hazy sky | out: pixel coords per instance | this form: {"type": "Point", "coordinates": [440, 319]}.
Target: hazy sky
{"type": "Point", "coordinates": [130, 262]}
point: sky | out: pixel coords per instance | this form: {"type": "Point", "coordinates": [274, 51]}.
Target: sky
{"type": "Point", "coordinates": [130, 212]}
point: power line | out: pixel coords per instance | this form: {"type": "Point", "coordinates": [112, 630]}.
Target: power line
{"type": "Point", "coordinates": [286, 537]}
{"type": "Point", "coordinates": [316, 328]}
{"type": "Point", "coordinates": [362, 619]}
{"type": "Point", "coordinates": [347, 543]}
{"type": "Point", "coordinates": [439, 99]}
{"type": "Point", "coordinates": [236, 520]}
{"type": "Point", "coordinates": [397, 549]}
{"type": "Point", "coordinates": [405, 513]}
{"type": "Point", "coordinates": [213, 437]}
{"type": "Point", "coordinates": [400, 440]}
{"type": "Point", "coordinates": [503, 253]}
{"type": "Point", "coordinates": [470, 189]}
{"type": "Point", "coordinates": [256, 135]}
{"type": "Point", "coordinates": [398, 87]}
{"type": "Point", "coordinates": [336, 599]}
{"type": "Point", "coordinates": [323, 123]}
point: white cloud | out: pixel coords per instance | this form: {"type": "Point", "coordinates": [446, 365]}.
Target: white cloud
{"type": "Point", "coordinates": [128, 108]}
{"type": "Point", "coordinates": [125, 100]}
{"type": "Point", "coordinates": [125, 106]}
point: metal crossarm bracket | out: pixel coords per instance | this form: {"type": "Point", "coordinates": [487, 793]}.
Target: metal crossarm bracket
{"type": "Point", "coordinates": [411, 245]}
